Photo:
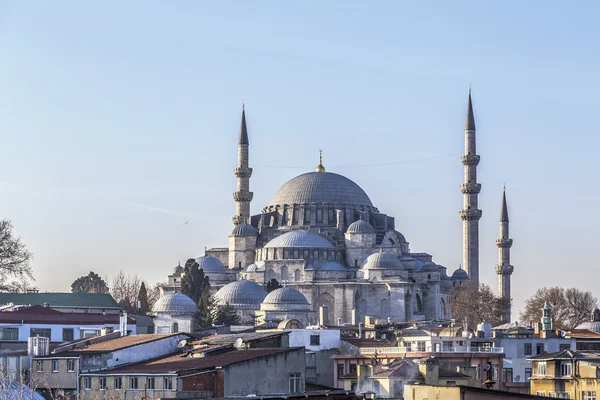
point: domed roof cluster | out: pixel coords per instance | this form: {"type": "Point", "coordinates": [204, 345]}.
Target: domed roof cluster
{"type": "Point", "coordinates": [320, 188]}
{"type": "Point", "coordinates": [241, 294]}
{"type": "Point", "coordinates": [210, 264]}
{"type": "Point", "coordinates": [244, 229]}
{"type": "Point", "coordinates": [284, 299]}
{"type": "Point", "coordinates": [382, 260]}
{"type": "Point", "coordinates": [175, 303]}
{"type": "Point", "coordinates": [299, 238]}
{"type": "Point", "coordinates": [360, 226]}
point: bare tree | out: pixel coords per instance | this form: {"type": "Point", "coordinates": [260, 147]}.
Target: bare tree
{"type": "Point", "coordinates": [15, 270]}
{"type": "Point", "coordinates": [125, 289]}
{"type": "Point", "coordinates": [154, 294]}
{"type": "Point", "coordinates": [569, 307]}
{"type": "Point", "coordinates": [475, 303]}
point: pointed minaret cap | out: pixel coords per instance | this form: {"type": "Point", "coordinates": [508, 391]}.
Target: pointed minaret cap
{"type": "Point", "coordinates": [504, 208]}
{"type": "Point", "coordinates": [470, 124]}
{"type": "Point", "coordinates": [320, 167]}
{"type": "Point", "coordinates": [243, 139]}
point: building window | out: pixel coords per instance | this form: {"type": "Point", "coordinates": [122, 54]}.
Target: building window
{"type": "Point", "coordinates": [340, 371]}
{"type": "Point", "coordinates": [507, 374]}
{"type": "Point", "coordinates": [539, 348]}
{"type": "Point", "coordinates": [527, 374]}
{"type": "Point", "coordinates": [88, 333]}
{"type": "Point", "coordinates": [540, 393]}
{"type": "Point", "coordinates": [9, 334]}
{"type": "Point", "coordinates": [354, 384]}
{"type": "Point", "coordinates": [71, 365]}
{"type": "Point", "coordinates": [421, 346]}
{"type": "Point", "coordinates": [316, 254]}
{"type": "Point", "coordinates": [588, 395]}
{"type": "Point", "coordinates": [450, 383]}
{"type": "Point", "coordinates": [565, 368]}
{"type": "Point", "coordinates": [477, 371]}
{"type": "Point", "coordinates": [41, 332]}
{"type": "Point", "coordinates": [295, 382]}
{"type": "Point", "coordinates": [315, 340]}
{"type": "Point", "coordinates": [325, 255]}
{"type": "Point", "coordinates": [118, 382]}
{"type": "Point", "coordinates": [496, 371]}
{"type": "Point", "coordinates": [67, 334]}
{"type": "Point", "coordinates": [87, 383]}
{"type": "Point", "coordinates": [295, 254]}
{"type": "Point", "coordinates": [133, 382]}
{"type": "Point", "coordinates": [175, 327]}
{"type": "Point", "coordinates": [565, 346]}
{"type": "Point", "coordinates": [352, 368]}
{"type": "Point", "coordinates": [40, 366]}
{"type": "Point", "coordinates": [168, 384]}
{"type": "Point", "coordinates": [560, 395]}
{"type": "Point", "coordinates": [150, 383]}
{"type": "Point", "coordinates": [527, 349]}
{"type": "Point", "coordinates": [541, 368]}
{"type": "Point", "coordinates": [54, 365]}
{"type": "Point", "coordinates": [102, 383]}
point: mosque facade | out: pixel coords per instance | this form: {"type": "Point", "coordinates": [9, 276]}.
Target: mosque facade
{"type": "Point", "coordinates": [337, 254]}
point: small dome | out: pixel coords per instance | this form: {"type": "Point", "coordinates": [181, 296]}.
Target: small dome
{"type": "Point", "coordinates": [210, 264]}
{"type": "Point", "coordinates": [175, 303]}
{"type": "Point", "coordinates": [290, 324]}
{"type": "Point", "coordinates": [382, 260]}
{"type": "Point", "coordinates": [178, 270]}
{"type": "Point", "coordinates": [241, 294]}
{"type": "Point", "coordinates": [360, 226]}
{"type": "Point", "coordinates": [460, 274]}
{"type": "Point", "coordinates": [244, 229]}
{"type": "Point", "coordinates": [332, 266]}
{"type": "Point", "coordinates": [300, 238]}
{"type": "Point", "coordinates": [285, 299]}
{"type": "Point", "coordinates": [593, 326]}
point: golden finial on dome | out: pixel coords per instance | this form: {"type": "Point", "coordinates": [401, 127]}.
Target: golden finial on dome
{"type": "Point", "coordinates": [320, 167]}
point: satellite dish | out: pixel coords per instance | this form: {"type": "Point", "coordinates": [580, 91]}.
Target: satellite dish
{"type": "Point", "coordinates": [239, 342]}
{"type": "Point", "coordinates": [517, 378]}
{"type": "Point", "coordinates": [182, 343]}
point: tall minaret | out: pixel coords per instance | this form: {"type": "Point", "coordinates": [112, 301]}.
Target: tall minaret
{"type": "Point", "coordinates": [470, 214]}
{"type": "Point", "coordinates": [243, 196]}
{"type": "Point", "coordinates": [504, 269]}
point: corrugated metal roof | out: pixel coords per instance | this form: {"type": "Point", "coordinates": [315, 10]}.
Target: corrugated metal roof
{"type": "Point", "coordinates": [83, 300]}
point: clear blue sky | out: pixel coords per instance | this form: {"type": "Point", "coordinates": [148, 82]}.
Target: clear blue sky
{"type": "Point", "coordinates": [118, 122]}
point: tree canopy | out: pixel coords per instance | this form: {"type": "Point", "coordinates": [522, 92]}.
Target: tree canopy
{"type": "Point", "coordinates": [226, 315]}
{"type": "Point", "coordinates": [142, 299]}
{"type": "Point", "coordinates": [90, 283]}
{"type": "Point", "coordinates": [194, 282]}
{"type": "Point", "coordinates": [125, 290]}
{"type": "Point", "coordinates": [475, 303]}
{"type": "Point", "coordinates": [570, 307]}
{"type": "Point", "coordinates": [15, 271]}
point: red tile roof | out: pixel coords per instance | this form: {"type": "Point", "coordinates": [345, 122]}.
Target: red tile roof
{"type": "Point", "coordinates": [48, 316]}
{"type": "Point", "coordinates": [180, 363]}
{"type": "Point", "coordinates": [107, 346]}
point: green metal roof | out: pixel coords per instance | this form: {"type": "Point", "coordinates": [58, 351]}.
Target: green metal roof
{"type": "Point", "coordinates": [83, 300]}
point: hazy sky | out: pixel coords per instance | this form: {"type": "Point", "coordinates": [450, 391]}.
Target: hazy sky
{"type": "Point", "coordinates": [119, 120]}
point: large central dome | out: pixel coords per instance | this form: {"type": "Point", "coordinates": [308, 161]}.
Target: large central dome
{"type": "Point", "coordinates": [320, 188]}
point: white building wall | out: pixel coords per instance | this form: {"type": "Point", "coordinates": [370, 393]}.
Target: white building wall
{"type": "Point", "coordinates": [329, 339]}
{"type": "Point", "coordinates": [56, 331]}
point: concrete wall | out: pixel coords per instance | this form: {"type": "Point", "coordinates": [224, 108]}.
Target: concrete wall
{"type": "Point", "coordinates": [63, 379]}
{"type": "Point", "coordinates": [329, 339]}
{"type": "Point", "coordinates": [264, 375]}
{"type": "Point", "coordinates": [110, 393]}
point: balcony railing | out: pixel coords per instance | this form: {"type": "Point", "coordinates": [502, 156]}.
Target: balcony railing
{"type": "Point", "coordinates": [430, 349]}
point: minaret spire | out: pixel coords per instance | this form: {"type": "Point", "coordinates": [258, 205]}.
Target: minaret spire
{"type": "Point", "coordinates": [243, 195]}
{"type": "Point", "coordinates": [470, 214]}
{"type": "Point", "coordinates": [504, 269]}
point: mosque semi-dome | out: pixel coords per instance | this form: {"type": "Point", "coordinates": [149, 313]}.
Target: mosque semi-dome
{"type": "Point", "coordinates": [284, 299]}
{"type": "Point", "coordinates": [320, 188]}
{"type": "Point", "coordinates": [175, 303]}
{"type": "Point", "coordinates": [300, 238]}
{"type": "Point", "coordinates": [382, 260]}
{"type": "Point", "coordinates": [244, 229]}
{"type": "Point", "coordinates": [241, 293]}
{"type": "Point", "coordinates": [360, 226]}
{"type": "Point", "coordinates": [210, 264]}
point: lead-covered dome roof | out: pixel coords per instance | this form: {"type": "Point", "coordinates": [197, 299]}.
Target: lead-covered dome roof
{"type": "Point", "coordinates": [244, 229]}
{"type": "Point", "coordinates": [175, 303]}
{"type": "Point", "coordinates": [460, 274]}
{"type": "Point", "coordinates": [360, 226]}
{"type": "Point", "coordinates": [300, 238]}
{"type": "Point", "coordinates": [320, 188]}
{"type": "Point", "coordinates": [210, 264]}
{"type": "Point", "coordinates": [285, 299]}
{"type": "Point", "coordinates": [382, 260]}
{"type": "Point", "coordinates": [241, 294]}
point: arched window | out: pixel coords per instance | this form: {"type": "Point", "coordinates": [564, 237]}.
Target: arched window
{"type": "Point", "coordinates": [271, 274]}
{"type": "Point", "coordinates": [284, 273]}
{"type": "Point", "coordinates": [306, 254]}
{"type": "Point", "coordinates": [175, 327]}
{"type": "Point", "coordinates": [331, 218]}
{"type": "Point", "coordinates": [419, 303]}
{"type": "Point", "coordinates": [295, 254]}
{"type": "Point", "coordinates": [325, 255]}
{"type": "Point", "coordinates": [316, 254]}
{"type": "Point", "coordinates": [355, 262]}
{"type": "Point", "coordinates": [319, 215]}
{"type": "Point", "coordinates": [442, 309]}
{"type": "Point", "coordinates": [306, 217]}
{"type": "Point", "coordinates": [274, 254]}
{"type": "Point", "coordinates": [297, 275]}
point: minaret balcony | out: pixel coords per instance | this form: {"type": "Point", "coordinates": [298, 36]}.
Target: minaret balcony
{"type": "Point", "coordinates": [470, 214]}
{"type": "Point", "coordinates": [470, 159]}
{"type": "Point", "coordinates": [470, 188]}
{"type": "Point", "coordinates": [504, 243]}
{"type": "Point", "coordinates": [504, 269]}
{"type": "Point", "coordinates": [243, 172]}
{"type": "Point", "coordinates": [243, 196]}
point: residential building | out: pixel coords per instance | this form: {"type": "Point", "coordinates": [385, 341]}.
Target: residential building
{"type": "Point", "coordinates": [567, 374]}
{"type": "Point", "coordinates": [64, 302]}
{"type": "Point", "coordinates": [421, 392]}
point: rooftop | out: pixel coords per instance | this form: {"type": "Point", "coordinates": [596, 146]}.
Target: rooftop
{"type": "Point", "coordinates": [76, 300]}
{"type": "Point", "coordinates": [118, 343]}
{"type": "Point", "coordinates": [245, 336]}
{"type": "Point", "coordinates": [48, 316]}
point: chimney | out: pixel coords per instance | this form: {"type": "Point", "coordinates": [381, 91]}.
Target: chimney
{"type": "Point", "coordinates": [339, 322]}
{"type": "Point", "coordinates": [353, 316]}
{"type": "Point", "coordinates": [139, 304]}
{"type": "Point", "coordinates": [123, 323]}
{"type": "Point", "coordinates": [46, 305]}
{"type": "Point", "coordinates": [430, 369]}
{"type": "Point", "coordinates": [321, 315]}
{"type": "Point", "coordinates": [105, 330]}
{"type": "Point", "coordinates": [359, 330]}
